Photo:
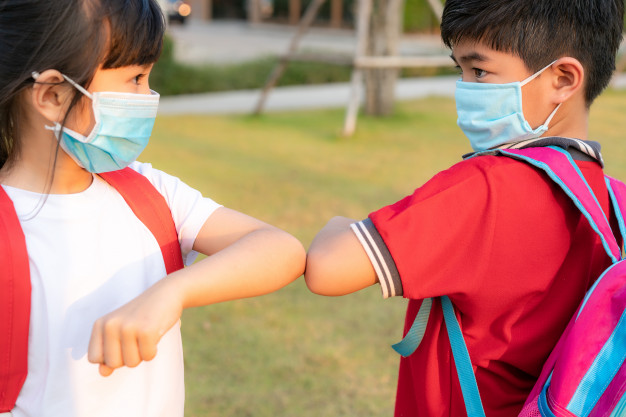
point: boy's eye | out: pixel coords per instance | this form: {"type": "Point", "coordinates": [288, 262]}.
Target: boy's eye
{"type": "Point", "coordinates": [479, 73]}
{"type": "Point", "coordinates": [459, 69]}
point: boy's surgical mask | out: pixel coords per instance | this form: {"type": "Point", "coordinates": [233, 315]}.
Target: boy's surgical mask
{"type": "Point", "coordinates": [123, 126]}
{"type": "Point", "coordinates": [491, 114]}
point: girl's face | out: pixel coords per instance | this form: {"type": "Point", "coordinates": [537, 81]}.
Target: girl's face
{"type": "Point", "coordinates": [130, 79]}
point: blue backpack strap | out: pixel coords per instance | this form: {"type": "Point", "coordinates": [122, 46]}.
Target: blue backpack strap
{"type": "Point", "coordinates": [414, 336]}
{"type": "Point", "coordinates": [465, 372]}
{"type": "Point", "coordinates": [462, 362]}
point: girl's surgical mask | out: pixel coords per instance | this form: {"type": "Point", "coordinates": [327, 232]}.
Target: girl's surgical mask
{"type": "Point", "coordinates": [491, 114]}
{"type": "Point", "coordinates": [123, 124]}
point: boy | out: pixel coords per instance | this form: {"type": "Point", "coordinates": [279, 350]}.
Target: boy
{"type": "Point", "coordinates": [494, 234]}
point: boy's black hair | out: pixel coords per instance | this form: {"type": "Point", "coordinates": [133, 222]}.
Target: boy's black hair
{"type": "Point", "coordinates": [541, 31]}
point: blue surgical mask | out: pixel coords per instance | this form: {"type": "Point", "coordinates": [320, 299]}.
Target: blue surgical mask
{"type": "Point", "coordinates": [123, 127]}
{"type": "Point", "coordinates": [491, 115]}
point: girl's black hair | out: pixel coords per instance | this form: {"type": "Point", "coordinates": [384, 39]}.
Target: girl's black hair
{"type": "Point", "coordinates": [74, 37]}
{"type": "Point", "coordinates": [541, 31]}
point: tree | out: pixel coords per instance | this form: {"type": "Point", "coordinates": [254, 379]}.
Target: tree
{"type": "Point", "coordinates": [384, 35]}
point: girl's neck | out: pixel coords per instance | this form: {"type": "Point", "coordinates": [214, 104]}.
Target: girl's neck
{"type": "Point", "coordinates": [39, 158]}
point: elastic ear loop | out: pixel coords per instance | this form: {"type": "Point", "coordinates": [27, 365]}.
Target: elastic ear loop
{"type": "Point", "coordinates": [532, 77]}
{"type": "Point", "coordinates": [79, 87]}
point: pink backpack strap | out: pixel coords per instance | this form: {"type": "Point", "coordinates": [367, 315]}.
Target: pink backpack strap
{"type": "Point", "coordinates": [14, 304]}
{"type": "Point", "coordinates": [152, 209]}
{"type": "Point", "coordinates": [561, 169]}
{"type": "Point", "coordinates": [617, 191]}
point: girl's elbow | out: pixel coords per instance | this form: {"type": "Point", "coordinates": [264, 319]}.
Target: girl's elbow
{"type": "Point", "coordinates": [295, 255]}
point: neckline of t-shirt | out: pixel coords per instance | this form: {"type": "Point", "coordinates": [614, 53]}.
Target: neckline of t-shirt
{"type": "Point", "coordinates": [31, 204]}
{"type": "Point", "coordinates": [37, 194]}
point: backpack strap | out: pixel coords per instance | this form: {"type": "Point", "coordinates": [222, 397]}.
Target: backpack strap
{"type": "Point", "coordinates": [617, 192]}
{"type": "Point", "coordinates": [14, 304]}
{"type": "Point", "coordinates": [15, 295]}
{"type": "Point", "coordinates": [562, 169]}
{"type": "Point", "coordinates": [462, 362]}
{"type": "Point", "coordinates": [152, 209]}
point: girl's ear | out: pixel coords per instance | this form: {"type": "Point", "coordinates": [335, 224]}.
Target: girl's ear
{"type": "Point", "coordinates": [51, 95]}
{"type": "Point", "coordinates": [569, 78]}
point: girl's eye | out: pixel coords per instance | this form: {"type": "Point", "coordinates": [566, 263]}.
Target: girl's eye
{"type": "Point", "coordinates": [479, 73]}
{"type": "Point", "coordinates": [459, 69]}
{"type": "Point", "coordinates": [138, 78]}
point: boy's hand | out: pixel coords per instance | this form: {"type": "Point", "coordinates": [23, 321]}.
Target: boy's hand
{"type": "Point", "coordinates": [129, 335]}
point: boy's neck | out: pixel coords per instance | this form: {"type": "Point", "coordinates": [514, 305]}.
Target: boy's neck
{"type": "Point", "coordinates": [570, 121]}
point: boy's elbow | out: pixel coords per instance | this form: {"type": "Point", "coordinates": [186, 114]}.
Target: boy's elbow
{"type": "Point", "coordinates": [318, 275]}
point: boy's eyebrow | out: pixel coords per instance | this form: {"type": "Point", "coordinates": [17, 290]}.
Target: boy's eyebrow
{"type": "Point", "coordinates": [474, 56]}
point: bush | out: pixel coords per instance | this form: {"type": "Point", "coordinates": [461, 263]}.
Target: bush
{"type": "Point", "coordinates": [170, 77]}
{"type": "Point", "coordinates": [419, 17]}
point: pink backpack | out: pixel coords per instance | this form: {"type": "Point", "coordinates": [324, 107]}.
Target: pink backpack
{"type": "Point", "coordinates": [147, 204]}
{"type": "Point", "coordinates": [585, 374]}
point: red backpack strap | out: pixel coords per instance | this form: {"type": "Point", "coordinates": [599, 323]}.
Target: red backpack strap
{"type": "Point", "coordinates": [152, 209]}
{"type": "Point", "coordinates": [14, 304]}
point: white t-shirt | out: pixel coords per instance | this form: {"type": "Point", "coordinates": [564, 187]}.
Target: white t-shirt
{"type": "Point", "coordinates": [89, 254]}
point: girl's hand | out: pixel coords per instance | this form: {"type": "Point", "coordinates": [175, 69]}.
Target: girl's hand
{"type": "Point", "coordinates": [247, 258]}
{"type": "Point", "coordinates": [130, 334]}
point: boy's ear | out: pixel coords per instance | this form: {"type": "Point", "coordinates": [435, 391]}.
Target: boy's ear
{"type": "Point", "coordinates": [51, 95]}
{"type": "Point", "coordinates": [568, 78]}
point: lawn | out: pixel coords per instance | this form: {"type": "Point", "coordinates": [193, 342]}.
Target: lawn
{"type": "Point", "coordinates": [292, 353]}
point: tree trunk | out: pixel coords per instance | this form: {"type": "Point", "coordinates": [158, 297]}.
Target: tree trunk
{"type": "Point", "coordinates": [384, 36]}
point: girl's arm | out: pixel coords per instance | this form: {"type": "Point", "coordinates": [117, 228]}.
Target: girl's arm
{"type": "Point", "coordinates": [247, 258]}
{"type": "Point", "coordinates": [336, 261]}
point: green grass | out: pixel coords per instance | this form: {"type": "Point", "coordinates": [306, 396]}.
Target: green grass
{"type": "Point", "coordinates": [292, 353]}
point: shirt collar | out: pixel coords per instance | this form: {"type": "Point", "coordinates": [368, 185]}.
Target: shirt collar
{"type": "Point", "coordinates": [585, 150]}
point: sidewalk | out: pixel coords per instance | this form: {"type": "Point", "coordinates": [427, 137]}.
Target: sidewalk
{"type": "Point", "coordinates": [236, 41]}
{"type": "Point", "coordinates": [296, 98]}
{"type": "Point", "coordinates": [308, 97]}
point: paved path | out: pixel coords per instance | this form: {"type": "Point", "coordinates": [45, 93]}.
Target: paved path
{"type": "Point", "coordinates": [232, 41]}
{"type": "Point", "coordinates": [307, 97]}
{"type": "Point", "coordinates": [296, 98]}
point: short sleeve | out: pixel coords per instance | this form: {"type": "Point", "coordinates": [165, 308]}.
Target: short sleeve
{"type": "Point", "coordinates": [377, 252]}
{"type": "Point", "coordinates": [440, 237]}
{"type": "Point", "coordinates": [190, 210]}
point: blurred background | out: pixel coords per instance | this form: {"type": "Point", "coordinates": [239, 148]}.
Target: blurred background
{"type": "Point", "coordinates": [293, 353]}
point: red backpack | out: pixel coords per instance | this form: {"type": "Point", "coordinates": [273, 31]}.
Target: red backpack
{"type": "Point", "coordinates": [147, 204]}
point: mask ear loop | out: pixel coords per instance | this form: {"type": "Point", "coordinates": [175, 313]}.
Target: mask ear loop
{"type": "Point", "coordinates": [535, 75]}
{"type": "Point", "coordinates": [532, 77]}
{"type": "Point", "coordinates": [77, 86]}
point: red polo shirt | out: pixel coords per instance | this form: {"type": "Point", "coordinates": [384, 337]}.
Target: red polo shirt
{"type": "Point", "coordinates": [515, 257]}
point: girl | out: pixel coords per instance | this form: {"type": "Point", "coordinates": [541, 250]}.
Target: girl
{"type": "Point", "coordinates": [74, 103]}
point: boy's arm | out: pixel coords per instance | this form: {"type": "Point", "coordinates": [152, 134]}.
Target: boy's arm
{"type": "Point", "coordinates": [337, 264]}
{"type": "Point", "coordinates": [247, 258]}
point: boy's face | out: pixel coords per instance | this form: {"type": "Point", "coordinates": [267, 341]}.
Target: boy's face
{"type": "Point", "coordinates": [481, 64]}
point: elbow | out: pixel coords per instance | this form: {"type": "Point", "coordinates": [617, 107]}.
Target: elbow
{"type": "Point", "coordinates": [294, 255]}
{"type": "Point", "coordinates": [319, 278]}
